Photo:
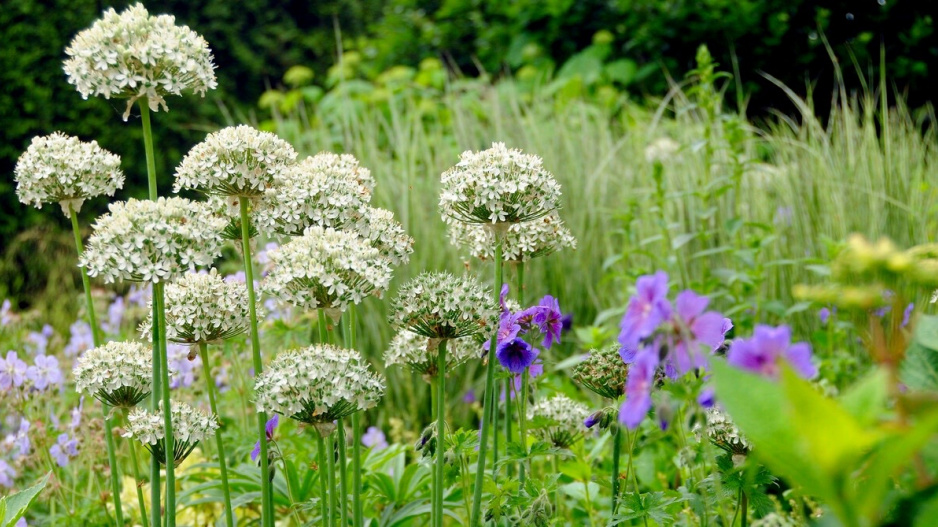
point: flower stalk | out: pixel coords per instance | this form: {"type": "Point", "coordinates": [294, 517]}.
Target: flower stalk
{"type": "Point", "coordinates": [169, 451]}
{"type": "Point", "coordinates": [139, 480]}
{"type": "Point", "coordinates": [440, 431]}
{"type": "Point", "coordinates": [357, 515]}
{"type": "Point", "coordinates": [222, 463]}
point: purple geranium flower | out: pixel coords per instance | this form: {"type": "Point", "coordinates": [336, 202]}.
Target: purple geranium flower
{"type": "Point", "coordinates": [7, 474]}
{"type": "Point", "coordinates": [824, 315]}
{"type": "Point", "coordinates": [20, 440]}
{"type": "Point", "coordinates": [763, 353]}
{"type": "Point", "coordinates": [593, 419]}
{"type": "Point", "coordinates": [549, 319]}
{"type": "Point", "coordinates": [646, 310]}
{"type": "Point", "coordinates": [374, 438]}
{"type": "Point", "coordinates": [638, 388]}
{"type": "Point", "coordinates": [706, 398]}
{"type": "Point", "coordinates": [6, 313]}
{"type": "Point", "coordinates": [76, 414]}
{"type": "Point", "coordinates": [508, 330]}
{"type": "Point", "coordinates": [515, 355]}
{"type": "Point", "coordinates": [64, 449]}
{"type": "Point", "coordinates": [907, 314]}
{"type": "Point", "coordinates": [12, 371]}
{"type": "Point", "coordinates": [80, 338]}
{"type": "Point", "coordinates": [699, 333]}
{"type": "Point", "coordinates": [45, 372]}
{"type": "Point", "coordinates": [269, 432]}
{"type": "Point", "coordinates": [38, 341]}
{"type": "Point", "coordinates": [115, 315]}
{"type": "Point", "coordinates": [184, 366]}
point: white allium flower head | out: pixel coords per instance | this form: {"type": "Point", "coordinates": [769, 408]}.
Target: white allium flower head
{"type": "Point", "coordinates": [326, 269]}
{"type": "Point", "coordinates": [498, 185]}
{"type": "Point", "coordinates": [119, 374]}
{"type": "Point", "coordinates": [420, 353]}
{"type": "Point", "coordinates": [318, 384]}
{"type": "Point", "coordinates": [203, 307]}
{"type": "Point", "coordinates": [62, 169]}
{"type": "Point", "coordinates": [190, 425]}
{"type": "Point", "coordinates": [723, 432]}
{"type": "Point", "coordinates": [328, 190]}
{"type": "Point", "coordinates": [520, 242]}
{"type": "Point", "coordinates": [235, 161]}
{"type": "Point", "coordinates": [130, 55]}
{"type": "Point", "coordinates": [229, 208]}
{"type": "Point", "coordinates": [386, 234]}
{"type": "Point", "coordinates": [603, 372]}
{"type": "Point", "coordinates": [558, 420]}
{"type": "Point", "coordinates": [443, 306]}
{"type": "Point", "coordinates": [152, 241]}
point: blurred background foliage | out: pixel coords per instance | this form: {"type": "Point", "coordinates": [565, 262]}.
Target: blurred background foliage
{"type": "Point", "coordinates": [462, 67]}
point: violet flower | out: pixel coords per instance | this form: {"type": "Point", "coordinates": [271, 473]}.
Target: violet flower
{"type": "Point", "coordinates": [549, 320]}
{"type": "Point", "coordinates": [12, 371]}
{"type": "Point", "coordinates": [646, 310]}
{"type": "Point", "coordinates": [20, 440]}
{"type": "Point", "coordinates": [907, 314]}
{"type": "Point", "coordinates": [64, 449]}
{"type": "Point", "coordinates": [7, 474]}
{"type": "Point", "coordinates": [80, 339]}
{"type": "Point", "coordinates": [45, 372]}
{"type": "Point", "coordinates": [515, 355]}
{"type": "Point", "coordinates": [374, 438]}
{"type": "Point", "coordinates": [824, 315]}
{"type": "Point", "coordinates": [638, 388]}
{"type": "Point", "coordinates": [269, 432]}
{"type": "Point", "coordinates": [764, 352]}
{"type": "Point", "coordinates": [703, 335]}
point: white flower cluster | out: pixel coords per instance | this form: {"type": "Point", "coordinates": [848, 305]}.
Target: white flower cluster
{"type": "Point", "coordinates": [318, 384]}
{"type": "Point", "coordinates": [235, 161]}
{"type": "Point", "coordinates": [132, 55]}
{"type": "Point", "coordinates": [327, 269]}
{"type": "Point", "coordinates": [117, 373]}
{"type": "Point", "coordinates": [420, 353]}
{"type": "Point", "coordinates": [520, 242]}
{"type": "Point", "coordinates": [723, 432]}
{"type": "Point", "coordinates": [327, 189]}
{"type": "Point", "coordinates": [62, 169]}
{"type": "Point", "coordinates": [498, 185]}
{"type": "Point", "coordinates": [152, 241]}
{"type": "Point", "coordinates": [385, 234]}
{"type": "Point", "coordinates": [561, 418]}
{"type": "Point", "coordinates": [603, 372]}
{"type": "Point", "coordinates": [203, 307]}
{"type": "Point", "coordinates": [442, 306]}
{"type": "Point", "coordinates": [190, 426]}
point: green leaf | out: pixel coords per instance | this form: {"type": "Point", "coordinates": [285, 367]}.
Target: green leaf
{"type": "Point", "coordinates": [866, 400]}
{"type": "Point", "coordinates": [15, 505]}
{"type": "Point", "coordinates": [919, 370]}
{"type": "Point", "coordinates": [926, 331]}
{"type": "Point", "coordinates": [622, 71]}
{"type": "Point", "coordinates": [682, 239]}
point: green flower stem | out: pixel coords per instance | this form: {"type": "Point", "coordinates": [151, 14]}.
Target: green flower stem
{"type": "Point", "coordinates": [323, 491]}
{"type": "Point", "coordinates": [616, 453]}
{"type": "Point", "coordinates": [267, 511]}
{"type": "Point", "coordinates": [440, 430]}
{"type": "Point", "coordinates": [489, 397]}
{"type": "Point", "coordinates": [96, 339]}
{"type": "Point", "coordinates": [434, 403]}
{"type": "Point", "coordinates": [519, 291]}
{"type": "Point", "coordinates": [558, 504]}
{"type": "Point", "coordinates": [509, 416]}
{"type": "Point", "coordinates": [523, 422]}
{"type": "Point", "coordinates": [222, 462]}
{"type": "Point", "coordinates": [330, 465]}
{"type": "Point", "coordinates": [343, 474]}
{"type": "Point", "coordinates": [136, 466]}
{"type": "Point", "coordinates": [155, 394]}
{"type": "Point", "coordinates": [323, 327]}
{"type": "Point", "coordinates": [358, 520]}
{"type": "Point", "coordinates": [494, 418]}
{"type": "Point", "coordinates": [170, 465]}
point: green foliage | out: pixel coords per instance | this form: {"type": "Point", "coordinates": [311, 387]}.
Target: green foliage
{"type": "Point", "coordinates": [14, 506]}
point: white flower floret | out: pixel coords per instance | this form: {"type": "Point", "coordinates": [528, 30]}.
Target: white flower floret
{"type": "Point", "coordinates": [235, 161]}
{"type": "Point", "coordinates": [190, 426]}
{"type": "Point", "coordinates": [152, 241]}
{"type": "Point", "coordinates": [203, 307]}
{"type": "Point", "coordinates": [723, 432]}
{"type": "Point", "coordinates": [558, 420]}
{"type": "Point", "coordinates": [117, 373]}
{"type": "Point", "coordinates": [498, 185]}
{"type": "Point", "coordinates": [442, 306]}
{"type": "Point", "coordinates": [520, 242]}
{"type": "Point", "coordinates": [130, 55]}
{"type": "Point", "coordinates": [420, 353]}
{"type": "Point", "coordinates": [318, 384]}
{"type": "Point", "coordinates": [386, 234]}
{"type": "Point", "coordinates": [326, 269]}
{"type": "Point", "coordinates": [62, 169]}
{"type": "Point", "coordinates": [327, 190]}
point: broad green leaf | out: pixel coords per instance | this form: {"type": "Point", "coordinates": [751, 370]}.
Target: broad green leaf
{"type": "Point", "coordinates": [866, 399]}
{"type": "Point", "coordinates": [926, 331]}
{"type": "Point", "coordinates": [919, 370]}
{"type": "Point", "coordinates": [16, 504]}
{"type": "Point", "coordinates": [927, 513]}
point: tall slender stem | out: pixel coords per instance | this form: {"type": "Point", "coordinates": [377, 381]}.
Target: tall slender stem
{"type": "Point", "coordinates": [509, 416]}
{"type": "Point", "coordinates": [434, 404]}
{"type": "Point", "coordinates": [744, 509]}
{"type": "Point", "coordinates": [96, 340]}
{"type": "Point", "coordinates": [343, 475]}
{"type": "Point", "coordinates": [222, 462]}
{"type": "Point", "coordinates": [136, 467]}
{"type": "Point", "coordinates": [170, 464]}
{"type": "Point", "coordinates": [148, 146]}
{"type": "Point", "coordinates": [440, 430]}
{"type": "Point", "coordinates": [358, 520]}
{"type": "Point", "coordinates": [267, 511]}
{"type": "Point", "coordinates": [323, 491]}
{"type": "Point", "coordinates": [330, 465]}
{"type": "Point", "coordinates": [523, 422]}
{"type": "Point", "coordinates": [490, 390]}
{"type": "Point", "coordinates": [616, 453]}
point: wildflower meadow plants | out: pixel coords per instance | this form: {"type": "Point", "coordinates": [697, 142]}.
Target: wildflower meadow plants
{"type": "Point", "coordinates": [703, 403]}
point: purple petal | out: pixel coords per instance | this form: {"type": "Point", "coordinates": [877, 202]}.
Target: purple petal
{"type": "Point", "coordinates": [515, 355]}
{"type": "Point", "coordinates": [689, 304]}
{"type": "Point", "coordinates": [799, 355]}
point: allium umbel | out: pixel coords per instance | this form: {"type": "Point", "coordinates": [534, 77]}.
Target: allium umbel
{"type": "Point", "coordinates": [318, 384]}
{"type": "Point", "coordinates": [326, 269]}
{"type": "Point", "coordinates": [520, 242]}
{"type": "Point", "coordinates": [62, 169]}
{"type": "Point", "coordinates": [118, 374]}
{"type": "Point", "coordinates": [203, 307]}
{"type": "Point", "coordinates": [419, 353]}
{"type": "Point", "coordinates": [132, 54]}
{"type": "Point", "coordinates": [558, 420]}
{"type": "Point", "coordinates": [190, 426]}
{"type": "Point", "coordinates": [603, 372]}
{"type": "Point", "coordinates": [152, 241]}
{"type": "Point", "coordinates": [235, 161]}
{"type": "Point", "coordinates": [498, 185]}
{"type": "Point", "coordinates": [443, 306]}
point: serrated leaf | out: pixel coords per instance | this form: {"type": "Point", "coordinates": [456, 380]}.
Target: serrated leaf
{"type": "Point", "coordinates": [17, 504]}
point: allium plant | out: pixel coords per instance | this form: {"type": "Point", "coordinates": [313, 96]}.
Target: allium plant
{"type": "Point", "coordinates": [385, 234]}
{"type": "Point", "coordinates": [117, 373]}
{"type": "Point", "coordinates": [603, 372]}
{"type": "Point", "coordinates": [417, 353]}
{"type": "Point", "coordinates": [152, 241]}
{"type": "Point", "coordinates": [133, 55]}
{"type": "Point", "coordinates": [190, 426]}
{"type": "Point", "coordinates": [559, 420]}
{"type": "Point", "coordinates": [62, 169]}
{"type": "Point", "coordinates": [521, 242]}
{"type": "Point", "coordinates": [442, 306]}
